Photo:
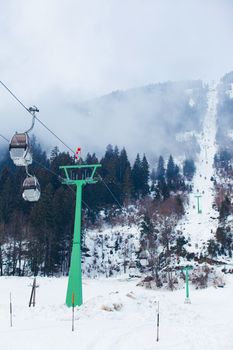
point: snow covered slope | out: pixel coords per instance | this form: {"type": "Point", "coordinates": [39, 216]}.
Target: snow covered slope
{"type": "Point", "coordinates": [116, 315]}
{"type": "Point", "coordinates": [199, 224]}
{"type": "Point", "coordinates": [111, 250]}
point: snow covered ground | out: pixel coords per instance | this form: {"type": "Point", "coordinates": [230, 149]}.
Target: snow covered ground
{"type": "Point", "coordinates": [200, 226]}
{"type": "Point", "coordinates": [205, 324]}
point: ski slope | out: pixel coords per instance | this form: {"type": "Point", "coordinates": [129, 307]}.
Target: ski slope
{"type": "Point", "coordinates": [198, 226]}
{"type": "Point", "coordinates": [203, 324]}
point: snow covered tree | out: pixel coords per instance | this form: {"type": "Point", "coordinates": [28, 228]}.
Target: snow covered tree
{"type": "Point", "coordinates": [170, 173]}
{"type": "Point", "coordinates": [145, 176]}
{"type": "Point", "coordinates": [189, 168]}
{"type": "Point", "coordinates": [136, 176]}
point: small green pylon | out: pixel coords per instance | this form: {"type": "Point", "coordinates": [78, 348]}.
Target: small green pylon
{"type": "Point", "coordinates": [198, 196]}
{"type": "Point", "coordinates": [186, 270]}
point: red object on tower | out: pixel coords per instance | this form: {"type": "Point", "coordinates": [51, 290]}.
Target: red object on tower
{"type": "Point", "coordinates": [78, 153]}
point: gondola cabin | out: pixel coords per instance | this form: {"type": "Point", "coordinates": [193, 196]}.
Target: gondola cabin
{"type": "Point", "coordinates": [31, 189]}
{"type": "Point", "coordinates": [20, 151]}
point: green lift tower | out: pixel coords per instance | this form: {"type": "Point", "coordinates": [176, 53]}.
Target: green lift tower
{"type": "Point", "coordinates": [198, 196]}
{"type": "Point", "coordinates": [186, 269]}
{"type": "Point", "coordinates": [79, 175]}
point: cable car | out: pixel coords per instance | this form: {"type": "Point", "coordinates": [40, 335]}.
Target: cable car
{"type": "Point", "coordinates": [31, 189]}
{"type": "Point", "coordinates": [20, 151]}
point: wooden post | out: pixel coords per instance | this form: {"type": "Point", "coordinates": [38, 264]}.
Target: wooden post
{"type": "Point", "coordinates": [34, 295]}
{"type": "Point", "coordinates": [11, 324]}
{"type": "Point", "coordinates": [158, 323]}
{"type": "Point", "coordinates": [32, 301]}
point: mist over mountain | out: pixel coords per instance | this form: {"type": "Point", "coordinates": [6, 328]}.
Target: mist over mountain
{"type": "Point", "coordinates": [225, 111]}
{"type": "Point", "coordinates": [155, 119]}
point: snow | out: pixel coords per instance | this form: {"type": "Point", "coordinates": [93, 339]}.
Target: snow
{"type": "Point", "coordinates": [230, 91]}
{"type": "Point", "coordinates": [185, 136]}
{"type": "Point", "coordinates": [191, 102]}
{"type": "Point", "coordinates": [198, 228]}
{"type": "Point", "coordinates": [103, 254]}
{"type": "Point", "coordinates": [203, 324]}
{"type": "Point", "coordinates": [230, 134]}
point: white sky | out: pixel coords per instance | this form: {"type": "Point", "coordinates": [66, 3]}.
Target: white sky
{"type": "Point", "coordinates": [75, 49]}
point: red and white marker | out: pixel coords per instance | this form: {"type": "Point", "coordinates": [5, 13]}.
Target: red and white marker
{"type": "Point", "coordinates": [78, 153]}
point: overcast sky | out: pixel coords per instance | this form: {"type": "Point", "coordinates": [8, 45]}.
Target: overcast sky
{"type": "Point", "coordinates": [57, 51]}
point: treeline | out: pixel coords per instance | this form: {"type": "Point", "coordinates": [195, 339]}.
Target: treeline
{"type": "Point", "coordinates": [222, 244]}
{"type": "Point", "coordinates": [36, 237]}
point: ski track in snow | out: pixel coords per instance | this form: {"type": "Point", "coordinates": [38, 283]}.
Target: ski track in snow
{"type": "Point", "coordinates": [198, 228]}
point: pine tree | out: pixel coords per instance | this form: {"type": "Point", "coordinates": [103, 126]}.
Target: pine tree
{"type": "Point", "coordinates": [54, 153]}
{"type": "Point", "coordinates": [173, 175]}
{"type": "Point", "coordinates": [146, 232]}
{"type": "Point", "coordinates": [149, 244]}
{"type": "Point", "coordinates": [109, 165]}
{"type": "Point", "coordinates": [91, 159]}
{"type": "Point", "coordinates": [153, 179]}
{"type": "Point", "coordinates": [127, 187]}
{"type": "Point", "coordinates": [170, 173]}
{"type": "Point", "coordinates": [7, 188]}
{"type": "Point", "coordinates": [160, 169]}
{"type": "Point", "coordinates": [225, 208]}
{"type": "Point", "coordinates": [123, 165]}
{"type": "Point", "coordinates": [189, 168]}
{"type": "Point", "coordinates": [137, 177]}
{"type": "Point", "coordinates": [161, 189]}
{"type": "Point", "coordinates": [145, 176]}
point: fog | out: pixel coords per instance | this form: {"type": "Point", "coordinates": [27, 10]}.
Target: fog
{"type": "Point", "coordinates": [56, 54]}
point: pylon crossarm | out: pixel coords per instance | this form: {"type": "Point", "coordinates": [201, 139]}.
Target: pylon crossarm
{"type": "Point", "coordinates": [187, 268]}
{"type": "Point", "coordinates": [87, 180]}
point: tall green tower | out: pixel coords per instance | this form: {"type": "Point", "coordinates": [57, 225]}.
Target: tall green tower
{"type": "Point", "coordinates": [78, 175]}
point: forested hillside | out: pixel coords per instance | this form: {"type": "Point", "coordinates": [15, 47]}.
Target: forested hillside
{"type": "Point", "coordinates": [141, 215]}
{"type": "Point", "coordinates": [35, 238]}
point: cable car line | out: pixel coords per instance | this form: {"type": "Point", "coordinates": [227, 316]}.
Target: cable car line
{"type": "Point", "coordinates": [60, 178]}
{"type": "Point", "coordinates": [114, 197]}
{"type": "Point", "coordinates": [32, 112]}
{"type": "Point", "coordinates": [5, 138]}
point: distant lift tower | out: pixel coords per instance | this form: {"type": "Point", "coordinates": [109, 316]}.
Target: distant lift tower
{"type": "Point", "coordinates": [198, 196]}
{"type": "Point", "coordinates": [186, 270]}
{"type": "Point", "coordinates": [78, 175]}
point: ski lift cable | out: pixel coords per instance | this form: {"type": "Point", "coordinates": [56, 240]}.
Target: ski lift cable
{"type": "Point", "coordinates": [32, 112]}
{"type": "Point", "coordinates": [60, 178]}
{"type": "Point", "coordinates": [5, 138]}
{"type": "Point", "coordinates": [29, 110]}
{"type": "Point", "coordinates": [113, 196]}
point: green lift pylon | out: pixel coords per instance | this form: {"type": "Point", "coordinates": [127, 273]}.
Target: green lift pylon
{"type": "Point", "coordinates": [186, 270]}
{"type": "Point", "coordinates": [198, 196]}
{"type": "Point", "coordinates": [84, 174]}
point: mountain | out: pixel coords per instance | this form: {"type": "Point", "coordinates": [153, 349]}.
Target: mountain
{"type": "Point", "coordinates": [183, 215]}
{"type": "Point", "coordinates": [154, 119]}
{"type": "Point", "coordinates": [225, 111]}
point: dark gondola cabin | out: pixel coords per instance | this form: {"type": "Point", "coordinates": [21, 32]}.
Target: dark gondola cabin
{"type": "Point", "coordinates": [19, 149]}
{"type": "Point", "coordinates": [31, 189]}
